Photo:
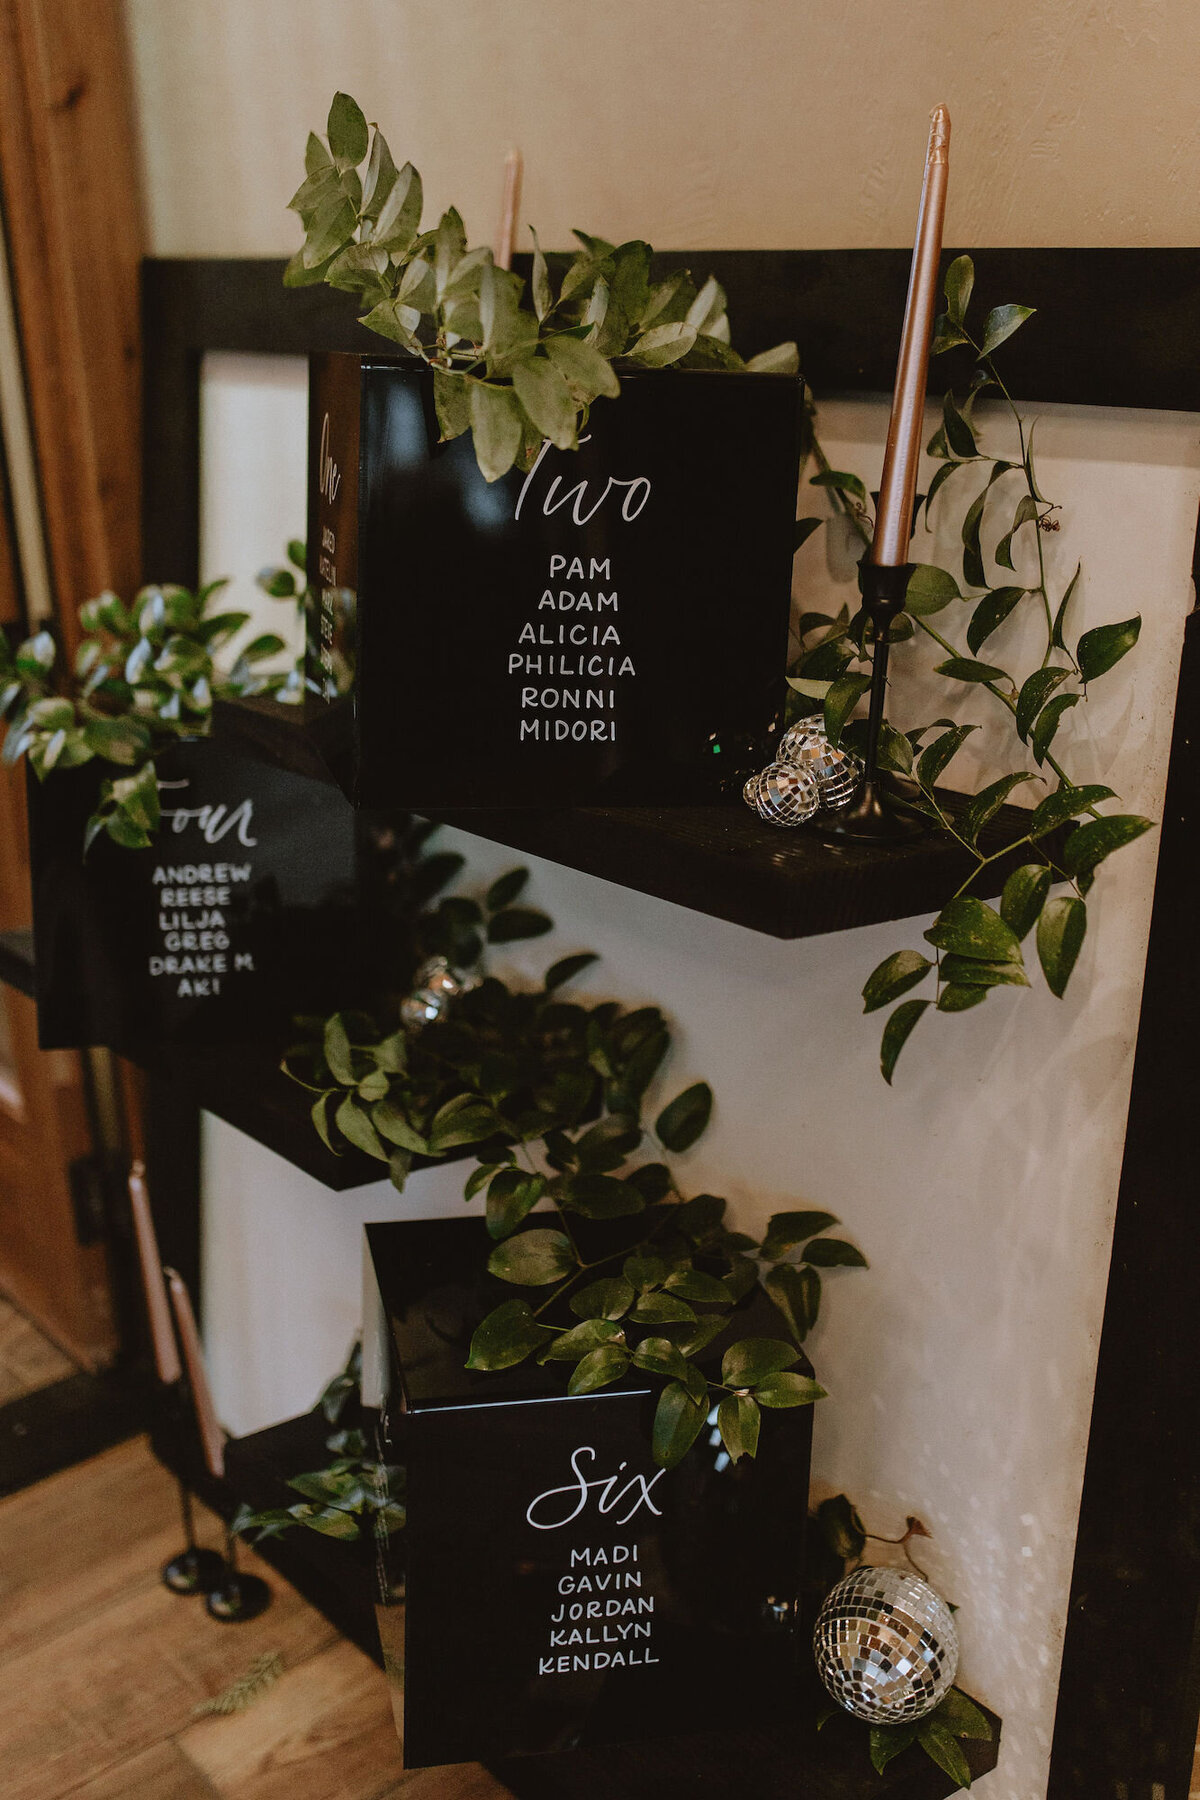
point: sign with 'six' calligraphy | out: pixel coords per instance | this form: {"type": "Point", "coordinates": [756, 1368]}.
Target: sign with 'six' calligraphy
{"type": "Point", "coordinates": [207, 936]}
{"type": "Point", "coordinates": [603, 627]}
{"type": "Point", "coordinates": [564, 1591]}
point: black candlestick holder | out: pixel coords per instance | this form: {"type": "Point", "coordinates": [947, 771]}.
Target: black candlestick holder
{"type": "Point", "coordinates": [195, 1570]}
{"type": "Point", "coordinates": [238, 1597]}
{"type": "Point", "coordinates": [878, 815]}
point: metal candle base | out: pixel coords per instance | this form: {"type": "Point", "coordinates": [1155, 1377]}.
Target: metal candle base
{"type": "Point", "coordinates": [874, 818]}
{"type": "Point", "coordinates": [194, 1571]}
{"type": "Point", "coordinates": [238, 1598]}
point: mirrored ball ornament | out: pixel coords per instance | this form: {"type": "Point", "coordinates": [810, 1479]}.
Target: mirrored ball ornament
{"type": "Point", "coordinates": [422, 1008]}
{"type": "Point", "coordinates": [437, 977]}
{"type": "Point", "coordinates": [785, 795]}
{"type": "Point", "coordinates": [838, 771]}
{"type": "Point", "coordinates": [886, 1646]}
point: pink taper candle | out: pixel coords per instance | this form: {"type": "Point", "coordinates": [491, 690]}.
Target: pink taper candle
{"type": "Point", "coordinates": [158, 1309]}
{"type": "Point", "coordinates": [510, 206]}
{"type": "Point", "coordinates": [212, 1438]}
{"type": "Point", "coordinates": [893, 520]}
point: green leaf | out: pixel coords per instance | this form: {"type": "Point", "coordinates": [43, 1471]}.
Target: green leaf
{"type": "Point", "coordinates": [662, 1309]}
{"type": "Point", "coordinates": [1060, 615]}
{"type": "Point", "coordinates": [586, 372]}
{"type": "Point", "coordinates": [320, 1118]}
{"type": "Point", "coordinates": [938, 1743]}
{"type": "Point", "coordinates": [987, 803]}
{"type": "Point", "coordinates": [958, 996]}
{"type": "Point", "coordinates": [1035, 692]}
{"type": "Point", "coordinates": [542, 389]}
{"type": "Point", "coordinates": [888, 1741]}
{"type": "Point", "coordinates": [346, 131]}
{"type": "Point", "coordinates": [580, 1340]}
{"type": "Point", "coordinates": [970, 927]}
{"type": "Point", "coordinates": [452, 399]}
{"type": "Point", "coordinates": [990, 614]}
{"type": "Point", "coordinates": [940, 476]}
{"type": "Point", "coordinates": [841, 482]}
{"type": "Point", "coordinates": [496, 423]}
{"type": "Point", "coordinates": [1086, 848]}
{"type": "Point", "coordinates": [843, 696]}
{"type": "Point", "coordinates": [973, 570]}
{"type": "Point", "coordinates": [960, 280]}
{"type": "Point", "coordinates": [946, 336]}
{"type": "Point", "coordinates": [380, 177]}
{"type": "Point", "coordinates": [355, 1125]}
{"type": "Point", "coordinates": [512, 1195]}
{"type": "Point", "coordinates": [506, 1336]}
{"type": "Point", "coordinates": [390, 1122]}
{"type": "Point", "coordinates": [1046, 725]}
{"type": "Point", "coordinates": [1104, 645]}
{"type": "Point", "coordinates": [1025, 513]}
{"type": "Point", "coordinates": [678, 1420]}
{"type": "Point", "coordinates": [463, 1120]}
{"type": "Point", "coordinates": [834, 1253]}
{"type": "Point", "coordinates": [797, 1294]}
{"type": "Point", "coordinates": [645, 1271]}
{"type": "Point", "coordinates": [959, 435]}
{"type": "Point", "coordinates": [598, 1368]}
{"type": "Point", "coordinates": [896, 1034]}
{"type": "Point", "coordinates": [1024, 896]}
{"type": "Point", "coordinates": [400, 216]}
{"type": "Point", "coordinates": [930, 589]}
{"type": "Point", "coordinates": [1066, 803]}
{"type": "Point", "coordinates": [963, 668]}
{"type": "Point", "coordinates": [608, 1299]}
{"type": "Point", "coordinates": [893, 977]}
{"type": "Point", "coordinates": [680, 1124]}
{"type": "Point", "coordinates": [842, 1528]}
{"type": "Point", "coordinates": [399, 1168]}
{"type": "Point", "coordinates": [959, 1715]}
{"type": "Point", "coordinates": [738, 1420]}
{"type": "Point", "coordinates": [787, 1229]}
{"type": "Point", "coordinates": [567, 968]}
{"type": "Point", "coordinates": [694, 1284]}
{"type": "Point", "coordinates": [936, 757]}
{"type": "Point", "coordinates": [533, 1258]}
{"type": "Point", "coordinates": [543, 298]}
{"type": "Point", "coordinates": [661, 1357]}
{"type": "Point", "coordinates": [971, 971]}
{"type": "Point", "coordinates": [753, 1359]}
{"type": "Point", "coordinates": [1002, 321]}
{"type": "Point", "coordinates": [780, 359]}
{"type": "Point", "coordinates": [664, 344]}
{"type": "Point", "coordinates": [517, 922]}
{"type": "Point", "coordinates": [787, 1389]}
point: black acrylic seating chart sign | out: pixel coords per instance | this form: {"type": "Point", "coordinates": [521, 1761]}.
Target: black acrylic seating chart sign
{"type": "Point", "coordinates": [562, 1590]}
{"type": "Point", "coordinates": [209, 936]}
{"type": "Point", "coordinates": [600, 629]}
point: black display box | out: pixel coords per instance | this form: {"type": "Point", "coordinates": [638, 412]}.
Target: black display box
{"type": "Point", "coordinates": [239, 915]}
{"type": "Point", "coordinates": [562, 1591]}
{"type": "Point", "coordinates": [601, 630]}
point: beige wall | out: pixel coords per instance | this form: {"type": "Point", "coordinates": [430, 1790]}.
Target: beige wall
{"type": "Point", "coordinates": [695, 123]}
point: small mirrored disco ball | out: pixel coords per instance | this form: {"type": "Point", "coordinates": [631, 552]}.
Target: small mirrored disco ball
{"type": "Point", "coordinates": [422, 1008]}
{"type": "Point", "coordinates": [437, 977]}
{"type": "Point", "coordinates": [886, 1646]}
{"type": "Point", "coordinates": [783, 795]}
{"type": "Point", "coordinates": [838, 771]}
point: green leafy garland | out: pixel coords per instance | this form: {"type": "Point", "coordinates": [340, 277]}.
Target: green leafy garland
{"type": "Point", "coordinates": [977, 947]}
{"type": "Point", "coordinates": [551, 1095]}
{"type": "Point", "coordinates": [144, 678]}
{"type": "Point", "coordinates": [511, 373]}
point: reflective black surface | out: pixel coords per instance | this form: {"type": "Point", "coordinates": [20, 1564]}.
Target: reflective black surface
{"type": "Point", "coordinates": [603, 628]}
{"type": "Point", "coordinates": [562, 1590]}
{"type": "Point", "coordinates": [210, 935]}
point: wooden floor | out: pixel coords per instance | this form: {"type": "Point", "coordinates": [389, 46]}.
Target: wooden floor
{"type": "Point", "coordinates": [101, 1668]}
{"type": "Point", "coordinates": [28, 1361]}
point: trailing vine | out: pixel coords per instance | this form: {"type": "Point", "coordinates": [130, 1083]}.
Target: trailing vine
{"type": "Point", "coordinates": [144, 678]}
{"type": "Point", "coordinates": [977, 947]}
{"type": "Point", "coordinates": [511, 367]}
{"type": "Point", "coordinates": [553, 1098]}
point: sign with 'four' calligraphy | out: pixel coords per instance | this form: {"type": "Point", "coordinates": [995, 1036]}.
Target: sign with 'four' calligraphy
{"type": "Point", "coordinates": [603, 627]}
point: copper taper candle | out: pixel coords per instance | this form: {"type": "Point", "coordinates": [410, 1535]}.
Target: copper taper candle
{"type": "Point", "coordinates": [212, 1438]}
{"type": "Point", "coordinates": [158, 1309]}
{"type": "Point", "coordinates": [893, 518]}
{"type": "Point", "coordinates": [510, 206]}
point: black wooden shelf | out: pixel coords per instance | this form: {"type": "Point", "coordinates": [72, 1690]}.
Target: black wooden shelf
{"type": "Point", "coordinates": [720, 860]}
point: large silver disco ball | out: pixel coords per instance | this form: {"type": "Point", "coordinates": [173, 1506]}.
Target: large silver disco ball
{"type": "Point", "coordinates": [837, 771]}
{"type": "Point", "coordinates": [886, 1646]}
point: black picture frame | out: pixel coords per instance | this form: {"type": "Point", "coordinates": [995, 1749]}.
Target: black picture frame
{"type": "Point", "coordinates": [1121, 328]}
